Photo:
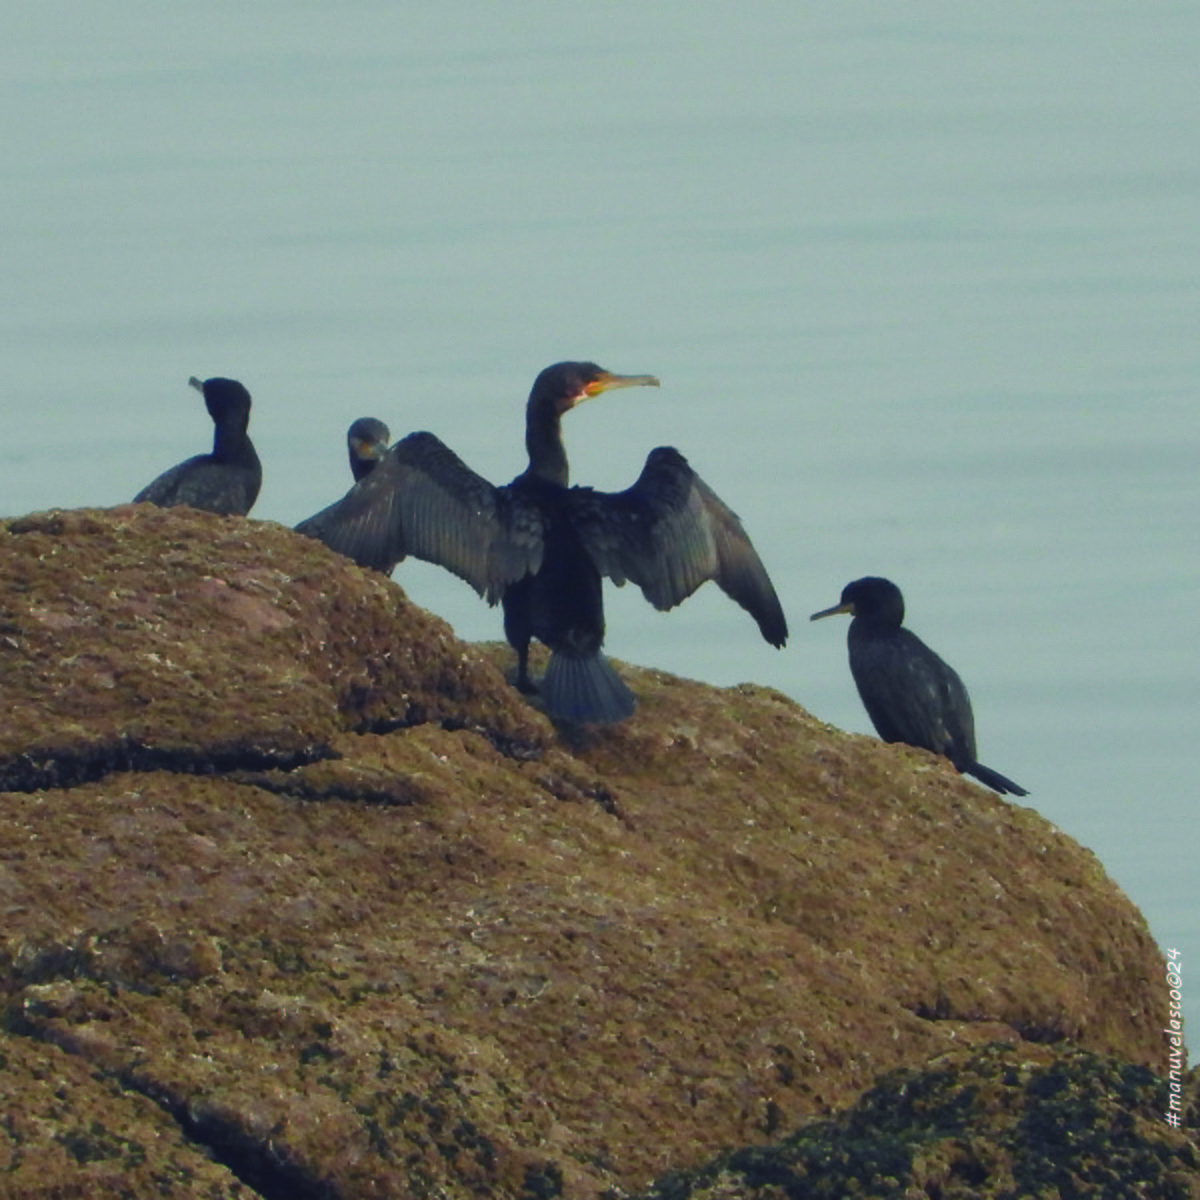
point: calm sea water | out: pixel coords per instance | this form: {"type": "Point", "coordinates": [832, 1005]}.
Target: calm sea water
{"type": "Point", "coordinates": [922, 286]}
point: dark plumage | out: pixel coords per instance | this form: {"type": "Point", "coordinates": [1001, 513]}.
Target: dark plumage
{"type": "Point", "coordinates": [910, 694]}
{"type": "Point", "coordinates": [228, 480]}
{"type": "Point", "coordinates": [367, 443]}
{"type": "Point", "coordinates": [542, 547]}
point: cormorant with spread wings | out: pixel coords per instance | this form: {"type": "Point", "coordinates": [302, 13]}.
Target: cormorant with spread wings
{"type": "Point", "coordinates": [541, 547]}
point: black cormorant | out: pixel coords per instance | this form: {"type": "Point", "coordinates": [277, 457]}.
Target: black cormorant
{"type": "Point", "coordinates": [542, 547]}
{"type": "Point", "coordinates": [910, 694]}
{"type": "Point", "coordinates": [226, 481]}
{"type": "Point", "coordinates": [367, 442]}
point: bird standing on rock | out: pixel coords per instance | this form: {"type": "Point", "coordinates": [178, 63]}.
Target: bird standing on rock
{"type": "Point", "coordinates": [541, 547]}
{"type": "Point", "coordinates": [910, 694]}
{"type": "Point", "coordinates": [228, 480]}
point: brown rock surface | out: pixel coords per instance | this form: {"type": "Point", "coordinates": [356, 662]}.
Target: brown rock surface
{"type": "Point", "coordinates": [1003, 1121]}
{"type": "Point", "coordinates": [289, 873]}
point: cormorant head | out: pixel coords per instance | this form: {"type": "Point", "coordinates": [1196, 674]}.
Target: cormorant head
{"type": "Point", "coordinates": [565, 384]}
{"type": "Point", "coordinates": [367, 440]}
{"type": "Point", "coordinates": [227, 401]}
{"type": "Point", "coordinates": [872, 598]}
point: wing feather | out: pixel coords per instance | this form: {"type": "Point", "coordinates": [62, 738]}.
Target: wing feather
{"type": "Point", "coordinates": [669, 533]}
{"type": "Point", "coordinates": [201, 483]}
{"type": "Point", "coordinates": [422, 499]}
{"type": "Point", "coordinates": [912, 696]}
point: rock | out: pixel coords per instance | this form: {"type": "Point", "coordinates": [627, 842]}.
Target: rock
{"type": "Point", "coordinates": [301, 898]}
{"type": "Point", "coordinates": [172, 639]}
{"type": "Point", "coordinates": [1001, 1121]}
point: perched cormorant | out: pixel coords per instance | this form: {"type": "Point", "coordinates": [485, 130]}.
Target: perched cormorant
{"type": "Point", "coordinates": [227, 480]}
{"type": "Point", "coordinates": [367, 442]}
{"type": "Point", "coordinates": [910, 694]}
{"type": "Point", "coordinates": [542, 547]}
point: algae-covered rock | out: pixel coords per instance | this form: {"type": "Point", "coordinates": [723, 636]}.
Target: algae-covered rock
{"type": "Point", "coordinates": [1001, 1121]}
{"type": "Point", "coordinates": [290, 873]}
{"type": "Point", "coordinates": [170, 638]}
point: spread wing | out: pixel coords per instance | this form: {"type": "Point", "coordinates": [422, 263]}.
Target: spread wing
{"type": "Point", "coordinates": [422, 499]}
{"type": "Point", "coordinates": [669, 533]}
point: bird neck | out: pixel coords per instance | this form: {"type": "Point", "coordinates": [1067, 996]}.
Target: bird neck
{"type": "Point", "coordinates": [360, 468]}
{"type": "Point", "coordinates": [231, 443]}
{"type": "Point", "coordinates": [543, 442]}
{"type": "Point", "coordinates": [875, 628]}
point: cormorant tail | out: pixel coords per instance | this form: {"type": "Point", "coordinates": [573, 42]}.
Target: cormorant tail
{"type": "Point", "coordinates": [993, 779]}
{"type": "Point", "coordinates": [585, 688]}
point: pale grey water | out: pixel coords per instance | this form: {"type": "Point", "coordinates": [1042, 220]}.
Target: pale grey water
{"type": "Point", "coordinates": [922, 284]}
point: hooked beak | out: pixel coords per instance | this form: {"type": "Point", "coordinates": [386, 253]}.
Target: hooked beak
{"type": "Point", "coordinates": [369, 450]}
{"type": "Point", "coordinates": [848, 607]}
{"type": "Point", "coordinates": [607, 381]}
